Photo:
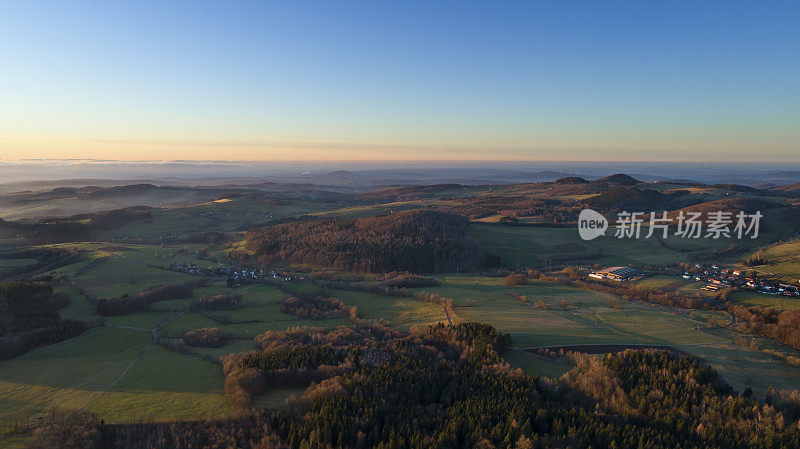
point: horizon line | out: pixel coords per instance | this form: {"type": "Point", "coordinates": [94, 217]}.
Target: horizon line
{"type": "Point", "coordinates": [378, 161]}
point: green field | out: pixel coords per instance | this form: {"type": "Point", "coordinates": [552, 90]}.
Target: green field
{"type": "Point", "coordinates": [751, 298]}
{"type": "Point", "coordinates": [109, 271]}
{"type": "Point", "coordinates": [114, 372]}
{"type": "Point", "coordinates": [742, 367]}
{"type": "Point", "coordinates": [536, 364]}
{"type": "Point", "coordinates": [526, 246]}
{"type": "Point", "coordinates": [404, 312]}
{"type": "Point", "coordinates": [539, 245]}
{"type": "Point", "coordinates": [661, 282]}
{"type": "Point", "coordinates": [588, 317]}
{"type": "Point", "coordinates": [14, 263]}
{"type": "Point", "coordinates": [78, 309]}
{"type": "Point", "coordinates": [259, 311]}
{"type": "Point", "coordinates": [783, 261]}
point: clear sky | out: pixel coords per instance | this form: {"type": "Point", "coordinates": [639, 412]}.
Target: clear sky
{"type": "Point", "coordinates": [400, 80]}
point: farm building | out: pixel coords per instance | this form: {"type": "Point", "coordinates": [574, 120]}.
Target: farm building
{"type": "Point", "coordinates": [618, 274]}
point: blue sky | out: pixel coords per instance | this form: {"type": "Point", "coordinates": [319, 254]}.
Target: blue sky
{"type": "Point", "coordinates": [400, 80]}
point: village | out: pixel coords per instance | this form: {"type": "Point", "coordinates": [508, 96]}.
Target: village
{"type": "Point", "coordinates": [717, 278]}
{"type": "Point", "coordinates": [235, 275]}
{"type": "Point", "coordinates": [714, 277]}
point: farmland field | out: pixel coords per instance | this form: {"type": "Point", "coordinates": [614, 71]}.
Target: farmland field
{"type": "Point", "coordinates": [580, 317]}
{"type": "Point", "coordinates": [752, 298]}
{"type": "Point", "coordinates": [537, 364]}
{"type": "Point", "coordinates": [106, 370]}
{"type": "Point", "coordinates": [538, 245]}
{"type": "Point", "coordinates": [783, 261]}
{"type": "Point", "coordinates": [400, 311]}
{"type": "Point", "coordinates": [571, 316]}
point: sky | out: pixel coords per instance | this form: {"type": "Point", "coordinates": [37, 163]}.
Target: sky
{"type": "Point", "coordinates": [392, 81]}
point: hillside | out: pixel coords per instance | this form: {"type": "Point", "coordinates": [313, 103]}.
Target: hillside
{"type": "Point", "coordinates": [637, 199]}
{"type": "Point", "coordinates": [732, 205]}
{"type": "Point", "coordinates": [787, 188]}
{"type": "Point", "coordinates": [571, 180]}
{"type": "Point", "coordinates": [417, 241]}
{"type": "Point", "coordinates": [410, 193]}
{"type": "Point", "coordinates": [619, 178]}
{"type": "Point", "coordinates": [61, 202]}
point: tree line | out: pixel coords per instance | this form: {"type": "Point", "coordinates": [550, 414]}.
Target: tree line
{"type": "Point", "coordinates": [317, 308]}
{"type": "Point", "coordinates": [29, 317]}
{"type": "Point", "coordinates": [126, 304]}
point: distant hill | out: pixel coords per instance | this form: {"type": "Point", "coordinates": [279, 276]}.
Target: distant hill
{"type": "Point", "coordinates": [133, 189]}
{"type": "Point", "coordinates": [628, 198]}
{"type": "Point", "coordinates": [787, 188]}
{"type": "Point", "coordinates": [619, 178]}
{"type": "Point", "coordinates": [116, 218]}
{"type": "Point", "coordinates": [571, 180]}
{"type": "Point", "coordinates": [70, 201]}
{"type": "Point", "coordinates": [765, 185]}
{"type": "Point", "coordinates": [733, 205]}
{"type": "Point", "coordinates": [411, 193]}
{"type": "Point", "coordinates": [736, 188]}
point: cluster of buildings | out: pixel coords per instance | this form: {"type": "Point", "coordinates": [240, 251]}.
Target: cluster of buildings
{"type": "Point", "coordinates": [234, 274]}
{"type": "Point", "coordinates": [154, 238]}
{"type": "Point", "coordinates": [714, 277]}
{"type": "Point", "coordinates": [617, 274]}
{"type": "Point", "coordinates": [717, 278]}
{"type": "Point", "coordinates": [211, 213]}
{"type": "Point", "coordinates": [262, 214]}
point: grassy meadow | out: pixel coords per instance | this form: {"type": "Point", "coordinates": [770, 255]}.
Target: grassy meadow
{"type": "Point", "coordinates": [114, 372]}
{"type": "Point", "coordinates": [569, 316]}
{"type": "Point", "coordinates": [579, 317]}
{"type": "Point", "coordinates": [783, 261]}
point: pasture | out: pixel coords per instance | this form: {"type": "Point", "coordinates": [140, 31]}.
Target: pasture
{"type": "Point", "coordinates": [527, 246]}
{"type": "Point", "coordinates": [742, 367]}
{"type": "Point", "coordinates": [752, 298]}
{"type": "Point", "coordinates": [114, 372]}
{"type": "Point", "coordinates": [783, 261]}
{"type": "Point", "coordinates": [578, 317]}
{"type": "Point", "coordinates": [568, 315]}
{"type": "Point", "coordinates": [398, 311]}
{"type": "Point", "coordinates": [107, 271]}
{"type": "Point", "coordinates": [536, 364]}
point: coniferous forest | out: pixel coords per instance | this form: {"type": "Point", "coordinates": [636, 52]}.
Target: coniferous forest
{"type": "Point", "coordinates": [448, 387]}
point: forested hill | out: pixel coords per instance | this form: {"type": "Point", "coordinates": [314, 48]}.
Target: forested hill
{"type": "Point", "coordinates": [420, 241]}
